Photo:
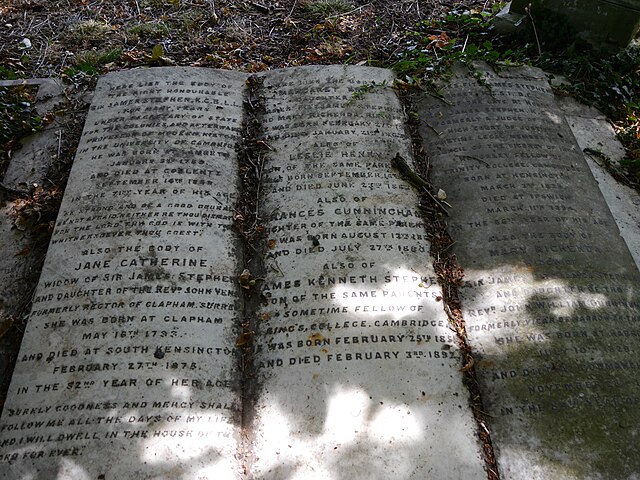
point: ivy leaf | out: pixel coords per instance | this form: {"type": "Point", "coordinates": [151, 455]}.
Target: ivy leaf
{"type": "Point", "coordinates": [157, 53]}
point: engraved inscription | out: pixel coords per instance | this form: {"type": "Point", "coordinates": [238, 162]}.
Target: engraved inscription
{"type": "Point", "coordinates": [354, 352]}
{"type": "Point", "coordinates": [128, 359]}
{"type": "Point", "coordinates": [551, 294]}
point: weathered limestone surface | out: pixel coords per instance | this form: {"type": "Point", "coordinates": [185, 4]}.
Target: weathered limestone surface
{"type": "Point", "coordinates": [551, 298]}
{"type": "Point", "coordinates": [15, 290]}
{"type": "Point", "coordinates": [30, 164]}
{"type": "Point", "coordinates": [19, 261]}
{"type": "Point", "coordinates": [594, 133]}
{"type": "Point", "coordinates": [129, 366]}
{"type": "Point", "coordinates": [358, 370]}
{"type": "Point", "coordinates": [126, 368]}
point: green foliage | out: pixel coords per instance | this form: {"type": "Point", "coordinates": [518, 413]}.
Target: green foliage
{"type": "Point", "coordinates": [90, 63]}
{"type": "Point", "coordinates": [8, 73]}
{"type": "Point", "coordinates": [150, 30]}
{"type": "Point", "coordinates": [327, 8]}
{"type": "Point", "coordinates": [458, 37]}
{"type": "Point", "coordinates": [18, 118]}
{"type": "Point", "coordinates": [360, 91]}
{"type": "Point", "coordinates": [611, 84]}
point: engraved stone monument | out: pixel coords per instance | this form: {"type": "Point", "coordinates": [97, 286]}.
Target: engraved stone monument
{"type": "Point", "coordinates": [191, 324]}
{"type": "Point", "coordinates": [550, 297]}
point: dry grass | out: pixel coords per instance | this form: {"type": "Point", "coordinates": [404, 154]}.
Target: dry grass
{"type": "Point", "coordinates": [220, 33]}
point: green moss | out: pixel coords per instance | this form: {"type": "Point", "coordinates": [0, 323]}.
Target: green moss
{"type": "Point", "coordinates": [327, 8]}
{"type": "Point", "coordinates": [90, 63]}
{"type": "Point", "coordinates": [156, 29]}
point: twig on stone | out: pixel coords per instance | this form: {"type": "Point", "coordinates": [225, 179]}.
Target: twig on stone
{"type": "Point", "coordinates": [414, 179]}
{"type": "Point", "coordinates": [473, 158]}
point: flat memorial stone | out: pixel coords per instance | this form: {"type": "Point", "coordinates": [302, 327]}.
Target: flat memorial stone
{"type": "Point", "coordinates": [594, 133]}
{"type": "Point", "coordinates": [130, 368]}
{"type": "Point", "coordinates": [130, 365]}
{"type": "Point", "coordinates": [126, 367]}
{"type": "Point", "coordinates": [19, 261]}
{"type": "Point", "coordinates": [551, 293]}
{"type": "Point", "coordinates": [358, 370]}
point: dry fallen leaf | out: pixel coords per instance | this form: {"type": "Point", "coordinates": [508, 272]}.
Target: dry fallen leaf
{"type": "Point", "coordinates": [244, 339]}
{"type": "Point", "coordinates": [468, 366]}
{"type": "Point", "coordinates": [245, 279]}
{"type": "Point", "coordinates": [438, 41]}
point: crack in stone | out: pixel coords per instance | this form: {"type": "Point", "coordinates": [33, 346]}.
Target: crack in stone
{"type": "Point", "coordinates": [450, 273]}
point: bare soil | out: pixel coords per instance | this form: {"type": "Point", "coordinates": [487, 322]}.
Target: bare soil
{"type": "Point", "coordinates": [239, 35]}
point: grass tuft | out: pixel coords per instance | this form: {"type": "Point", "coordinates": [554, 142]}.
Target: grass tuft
{"type": "Point", "coordinates": [327, 8]}
{"type": "Point", "coordinates": [156, 29]}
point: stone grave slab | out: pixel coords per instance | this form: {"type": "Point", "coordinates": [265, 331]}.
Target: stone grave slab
{"type": "Point", "coordinates": [359, 371]}
{"type": "Point", "coordinates": [19, 263]}
{"type": "Point", "coordinates": [144, 357]}
{"type": "Point", "coordinates": [126, 363]}
{"type": "Point", "coordinates": [551, 292]}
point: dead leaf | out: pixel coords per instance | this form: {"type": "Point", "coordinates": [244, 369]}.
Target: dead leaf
{"type": "Point", "coordinates": [244, 339]}
{"type": "Point", "coordinates": [438, 41]}
{"type": "Point", "coordinates": [468, 366]}
{"type": "Point", "coordinates": [245, 279]}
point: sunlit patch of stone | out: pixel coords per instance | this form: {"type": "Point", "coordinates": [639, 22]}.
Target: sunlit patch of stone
{"type": "Point", "coordinates": [192, 437]}
{"type": "Point", "coordinates": [346, 410]}
{"type": "Point", "coordinates": [70, 470]}
{"type": "Point", "coordinates": [352, 421]}
{"type": "Point", "coordinates": [404, 295]}
{"type": "Point", "coordinates": [179, 392]}
{"type": "Point", "coordinates": [221, 470]}
{"type": "Point", "coordinates": [590, 301]}
{"type": "Point", "coordinates": [510, 291]}
{"type": "Point", "coordinates": [395, 423]}
{"type": "Point", "coordinates": [555, 118]}
{"type": "Point", "coordinates": [511, 299]}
